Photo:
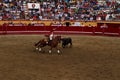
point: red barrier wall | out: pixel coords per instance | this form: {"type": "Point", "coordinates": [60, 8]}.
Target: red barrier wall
{"type": "Point", "coordinates": [113, 31]}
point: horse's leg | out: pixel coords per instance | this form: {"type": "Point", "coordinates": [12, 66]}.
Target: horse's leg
{"type": "Point", "coordinates": [70, 43]}
{"type": "Point", "coordinates": [40, 49]}
{"type": "Point", "coordinates": [36, 48]}
{"type": "Point", "coordinates": [50, 50]}
{"type": "Point", "coordinates": [58, 50]}
{"type": "Point", "coordinates": [63, 46]}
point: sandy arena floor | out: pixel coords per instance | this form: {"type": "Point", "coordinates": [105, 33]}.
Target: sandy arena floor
{"type": "Point", "coordinates": [90, 58]}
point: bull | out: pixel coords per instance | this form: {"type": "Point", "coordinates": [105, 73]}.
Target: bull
{"type": "Point", "coordinates": [66, 42]}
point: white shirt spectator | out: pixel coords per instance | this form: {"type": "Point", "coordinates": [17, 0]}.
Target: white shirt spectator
{"type": "Point", "coordinates": [0, 17]}
{"type": "Point", "coordinates": [76, 24]}
{"type": "Point", "coordinates": [107, 17]}
{"type": "Point", "coordinates": [40, 17]}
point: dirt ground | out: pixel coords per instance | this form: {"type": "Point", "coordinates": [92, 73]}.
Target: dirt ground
{"type": "Point", "coordinates": [90, 58]}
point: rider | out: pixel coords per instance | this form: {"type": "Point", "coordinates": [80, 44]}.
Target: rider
{"type": "Point", "coordinates": [51, 36]}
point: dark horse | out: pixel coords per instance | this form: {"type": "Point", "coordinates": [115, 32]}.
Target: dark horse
{"type": "Point", "coordinates": [53, 44]}
{"type": "Point", "coordinates": [66, 42]}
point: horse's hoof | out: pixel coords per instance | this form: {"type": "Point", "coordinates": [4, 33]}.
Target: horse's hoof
{"type": "Point", "coordinates": [58, 51]}
{"type": "Point", "coordinates": [50, 51]}
{"type": "Point", "coordinates": [40, 49]}
{"type": "Point", "coordinates": [36, 48]}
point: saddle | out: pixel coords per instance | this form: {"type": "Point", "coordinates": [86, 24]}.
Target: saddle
{"type": "Point", "coordinates": [49, 42]}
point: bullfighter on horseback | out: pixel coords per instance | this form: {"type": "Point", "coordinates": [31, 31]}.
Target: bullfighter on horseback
{"type": "Point", "coordinates": [50, 37]}
{"type": "Point", "coordinates": [50, 40]}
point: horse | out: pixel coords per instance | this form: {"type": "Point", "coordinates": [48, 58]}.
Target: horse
{"type": "Point", "coordinates": [52, 44]}
{"type": "Point", "coordinates": [66, 41]}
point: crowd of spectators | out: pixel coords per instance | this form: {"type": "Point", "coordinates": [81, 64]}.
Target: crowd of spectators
{"type": "Point", "coordinates": [85, 10]}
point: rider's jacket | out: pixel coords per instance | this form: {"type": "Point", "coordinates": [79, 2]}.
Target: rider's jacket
{"type": "Point", "coordinates": [51, 36]}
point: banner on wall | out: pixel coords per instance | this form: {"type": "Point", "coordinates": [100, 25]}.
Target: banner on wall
{"type": "Point", "coordinates": [33, 5]}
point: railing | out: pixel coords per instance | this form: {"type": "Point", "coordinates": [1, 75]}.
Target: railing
{"type": "Point", "coordinates": [111, 31]}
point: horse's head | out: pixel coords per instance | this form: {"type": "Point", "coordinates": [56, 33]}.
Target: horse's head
{"type": "Point", "coordinates": [35, 44]}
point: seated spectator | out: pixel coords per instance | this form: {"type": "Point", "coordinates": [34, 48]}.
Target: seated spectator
{"type": "Point", "coordinates": [76, 24]}
{"type": "Point", "coordinates": [67, 24]}
{"type": "Point", "coordinates": [85, 10]}
{"type": "Point", "coordinates": [82, 25]}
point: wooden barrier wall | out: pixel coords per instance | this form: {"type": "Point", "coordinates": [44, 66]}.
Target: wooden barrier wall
{"type": "Point", "coordinates": [95, 28]}
{"type": "Point", "coordinates": [111, 31]}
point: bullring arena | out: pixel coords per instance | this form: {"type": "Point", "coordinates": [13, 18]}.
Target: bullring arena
{"type": "Point", "coordinates": [93, 26]}
{"type": "Point", "coordinates": [90, 58]}
{"type": "Point", "coordinates": [93, 56]}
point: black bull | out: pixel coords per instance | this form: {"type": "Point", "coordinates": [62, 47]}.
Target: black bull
{"type": "Point", "coordinates": [66, 41]}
